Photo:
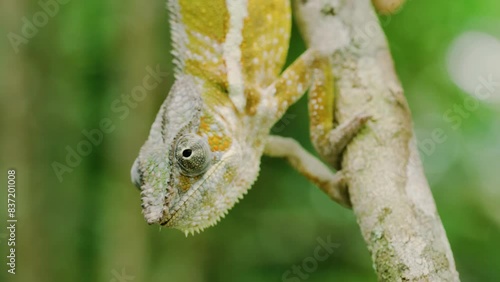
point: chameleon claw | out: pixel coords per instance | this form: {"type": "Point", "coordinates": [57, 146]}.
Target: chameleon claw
{"type": "Point", "coordinates": [339, 191]}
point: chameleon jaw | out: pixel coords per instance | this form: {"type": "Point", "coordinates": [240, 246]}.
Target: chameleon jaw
{"type": "Point", "coordinates": [180, 211]}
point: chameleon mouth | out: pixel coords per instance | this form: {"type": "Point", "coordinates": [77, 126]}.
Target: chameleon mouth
{"type": "Point", "coordinates": [152, 204]}
{"type": "Point", "coordinates": [166, 222]}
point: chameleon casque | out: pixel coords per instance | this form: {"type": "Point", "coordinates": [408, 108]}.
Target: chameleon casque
{"type": "Point", "coordinates": [204, 148]}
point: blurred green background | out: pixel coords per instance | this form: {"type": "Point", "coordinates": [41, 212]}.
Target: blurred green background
{"type": "Point", "coordinates": [89, 227]}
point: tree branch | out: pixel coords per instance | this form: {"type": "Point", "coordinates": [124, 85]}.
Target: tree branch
{"type": "Point", "coordinates": [389, 192]}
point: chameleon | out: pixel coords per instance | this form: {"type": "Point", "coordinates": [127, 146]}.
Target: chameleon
{"type": "Point", "coordinates": [205, 145]}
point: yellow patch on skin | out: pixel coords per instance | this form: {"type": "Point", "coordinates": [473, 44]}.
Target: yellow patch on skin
{"type": "Point", "coordinates": [321, 100]}
{"type": "Point", "coordinates": [209, 20]}
{"type": "Point", "coordinates": [253, 98]}
{"type": "Point", "coordinates": [206, 27]}
{"type": "Point", "coordinates": [219, 143]}
{"type": "Point", "coordinates": [217, 140]}
{"type": "Point", "coordinates": [214, 93]}
{"type": "Point", "coordinates": [294, 78]}
{"type": "Point", "coordinates": [185, 182]}
{"type": "Point", "coordinates": [309, 70]}
{"type": "Point", "coordinates": [266, 34]}
{"type": "Point", "coordinates": [204, 125]}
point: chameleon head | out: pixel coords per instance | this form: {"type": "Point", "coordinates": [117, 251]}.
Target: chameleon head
{"type": "Point", "coordinates": [188, 169]}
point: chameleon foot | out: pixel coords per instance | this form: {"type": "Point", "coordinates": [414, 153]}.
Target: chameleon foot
{"type": "Point", "coordinates": [336, 141]}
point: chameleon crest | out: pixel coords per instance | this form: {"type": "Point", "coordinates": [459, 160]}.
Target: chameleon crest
{"type": "Point", "coordinates": [204, 148]}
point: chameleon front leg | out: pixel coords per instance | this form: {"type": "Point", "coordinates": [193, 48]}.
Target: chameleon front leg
{"type": "Point", "coordinates": [330, 141]}
{"type": "Point", "coordinates": [333, 184]}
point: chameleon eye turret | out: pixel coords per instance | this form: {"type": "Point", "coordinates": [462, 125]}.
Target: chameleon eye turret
{"type": "Point", "coordinates": [193, 155]}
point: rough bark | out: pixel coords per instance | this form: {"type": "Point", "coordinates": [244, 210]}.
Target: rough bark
{"type": "Point", "coordinates": [389, 192]}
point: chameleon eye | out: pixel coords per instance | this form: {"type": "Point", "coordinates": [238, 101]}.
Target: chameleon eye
{"type": "Point", "coordinates": [192, 154]}
{"type": "Point", "coordinates": [186, 153]}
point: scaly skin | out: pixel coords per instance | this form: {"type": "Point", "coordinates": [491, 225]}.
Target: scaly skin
{"type": "Point", "coordinates": [204, 148]}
